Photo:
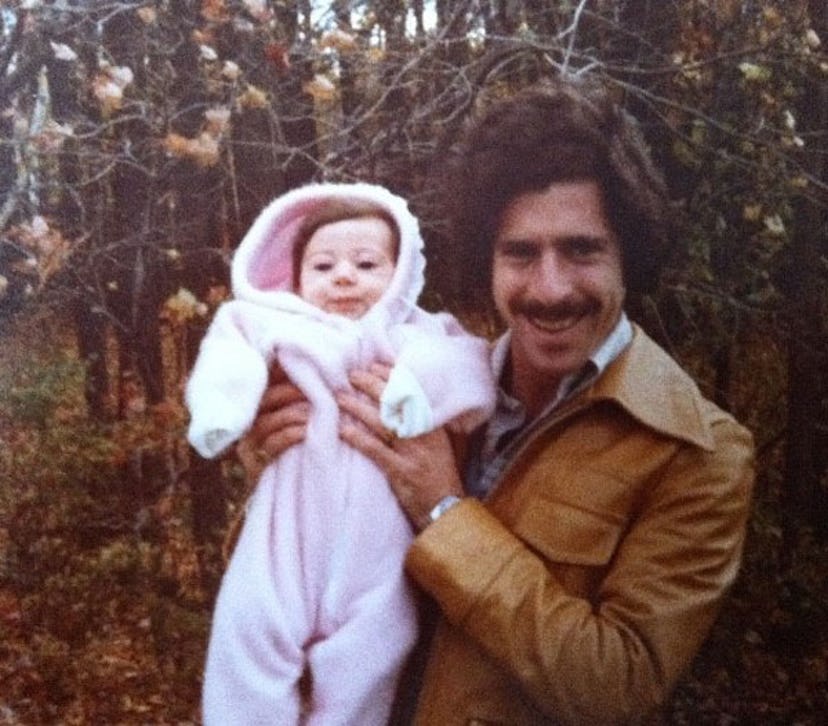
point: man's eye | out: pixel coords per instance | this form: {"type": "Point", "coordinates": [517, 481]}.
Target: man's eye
{"type": "Point", "coordinates": [582, 248]}
{"type": "Point", "coordinates": [520, 251]}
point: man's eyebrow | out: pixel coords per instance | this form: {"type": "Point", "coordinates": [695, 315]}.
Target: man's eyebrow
{"type": "Point", "coordinates": [597, 239]}
{"type": "Point", "coordinates": [516, 240]}
{"type": "Point", "coordinates": [575, 238]}
{"type": "Point", "coordinates": [516, 245]}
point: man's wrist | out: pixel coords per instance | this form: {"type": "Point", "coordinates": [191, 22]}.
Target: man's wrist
{"type": "Point", "coordinates": [439, 509]}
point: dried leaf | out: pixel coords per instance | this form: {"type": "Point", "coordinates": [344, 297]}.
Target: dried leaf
{"type": "Point", "coordinates": [321, 88]}
{"type": "Point", "coordinates": [147, 14]}
{"type": "Point", "coordinates": [63, 52]}
{"type": "Point", "coordinates": [252, 97]}
{"type": "Point", "coordinates": [340, 40]}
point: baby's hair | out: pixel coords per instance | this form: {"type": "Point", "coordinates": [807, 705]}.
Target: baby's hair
{"type": "Point", "coordinates": [339, 210]}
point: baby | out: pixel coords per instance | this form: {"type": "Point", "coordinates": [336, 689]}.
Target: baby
{"type": "Point", "coordinates": [325, 281]}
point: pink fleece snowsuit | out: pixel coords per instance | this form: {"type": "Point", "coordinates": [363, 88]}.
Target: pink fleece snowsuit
{"type": "Point", "coordinates": [316, 580]}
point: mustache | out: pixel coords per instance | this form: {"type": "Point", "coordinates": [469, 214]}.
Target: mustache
{"type": "Point", "coordinates": [564, 309]}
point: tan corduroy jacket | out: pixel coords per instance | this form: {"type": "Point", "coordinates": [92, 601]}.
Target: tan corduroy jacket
{"type": "Point", "coordinates": [584, 586]}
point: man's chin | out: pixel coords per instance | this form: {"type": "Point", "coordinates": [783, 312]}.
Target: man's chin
{"type": "Point", "coordinates": [551, 361]}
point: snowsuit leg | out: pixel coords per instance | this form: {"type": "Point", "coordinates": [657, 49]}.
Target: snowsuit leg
{"type": "Point", "coordinates": [367, 613]}
{"type": "Point", "coordinates": [261, 620]}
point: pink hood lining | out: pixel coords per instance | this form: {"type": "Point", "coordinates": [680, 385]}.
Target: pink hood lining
{"type": "Point", "coordinates": [262, 268]}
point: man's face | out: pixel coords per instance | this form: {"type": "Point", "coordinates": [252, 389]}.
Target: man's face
{"type": "Point", "coordinates": [557, 282]}
{"type": "Point", "coordinates": [347, 266]}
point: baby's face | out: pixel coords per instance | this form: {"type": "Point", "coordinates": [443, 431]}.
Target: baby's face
{"type": "Point", "coordinates": [347, 266]}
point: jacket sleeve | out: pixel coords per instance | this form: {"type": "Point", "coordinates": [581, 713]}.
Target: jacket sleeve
{"type": "Point", "coordinates": [437, 360]}
{"type": "Point", "coordinates": [615, 657]}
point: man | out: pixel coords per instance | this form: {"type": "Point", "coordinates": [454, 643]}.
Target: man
{"type": "Point", "coordinates": [582, 561]}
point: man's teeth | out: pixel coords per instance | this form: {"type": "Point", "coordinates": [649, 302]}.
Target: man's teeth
{"type": "Point", "coordinates": [554, 326]}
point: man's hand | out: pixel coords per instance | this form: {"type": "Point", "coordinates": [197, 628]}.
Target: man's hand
{"type": "Point", "coordinates": [420, 470]}
{"type": "Point", "coordinates": [280, 423]}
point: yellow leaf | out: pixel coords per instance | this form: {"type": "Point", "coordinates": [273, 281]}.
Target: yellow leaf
{"type": "Point", "coordinates": [214, 10]}
{"type": "Point", "coordinates": [147, 14]}
{"type": "Point", "coordinates": [754, 72]}
{"type": "Point", "coordinates": [320, 88]}
{"type": "Point", "coordinates": [231, 71]}
{"type": "Point", "coordinates": [339, 39]}
{"type": "Point", "coordinates": [108, 87]}
{"type": "Point", "coordinates": [258, 9]}
{"type": "Point", "coordinates": [752, 212]}
{"type": "Point", "coordinates": [252, 97]}
{"type": "Point", "coordinates": [203, 150]}
{"type": "Point", "coordinates": [218, 120]}
{"type": "Point", "coordinates": [109, 95]}
{"type": "Point", "coordinates": [63, 52]}
{"type": "Point", "coordinates": [772, 17]}
{"type": "Point", "coordinates": [207, 53]}
{"type": "Point", "coordinates": [774, 225]}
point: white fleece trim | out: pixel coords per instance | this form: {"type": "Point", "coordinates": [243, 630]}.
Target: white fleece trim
{"type": "Point", "coordinates": [262, 268]}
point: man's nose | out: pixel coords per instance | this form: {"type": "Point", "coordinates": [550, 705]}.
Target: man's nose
{"type": "Point", "coordinates": [552, 280]}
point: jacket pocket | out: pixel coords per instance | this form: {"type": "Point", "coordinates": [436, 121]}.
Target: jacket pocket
{"type": "Point", "coordinates": [564, 533]}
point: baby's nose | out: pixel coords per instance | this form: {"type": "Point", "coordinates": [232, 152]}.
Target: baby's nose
{"type": "Point", "coordinates": [344, 272]}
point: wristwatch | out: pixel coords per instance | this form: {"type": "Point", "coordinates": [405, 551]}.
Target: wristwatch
{"type": "Point", "coordinates": [446, 503]}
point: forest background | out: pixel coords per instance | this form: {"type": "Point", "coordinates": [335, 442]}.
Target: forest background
{"type": "Point", "coordinates": [138, 140]}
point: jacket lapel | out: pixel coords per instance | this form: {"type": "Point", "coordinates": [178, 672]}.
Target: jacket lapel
{"type": "Point", "coordinates": [652, 387]}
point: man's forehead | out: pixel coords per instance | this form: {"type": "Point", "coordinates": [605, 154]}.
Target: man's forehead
{"type": "Point", "coordinates": [564, 208]}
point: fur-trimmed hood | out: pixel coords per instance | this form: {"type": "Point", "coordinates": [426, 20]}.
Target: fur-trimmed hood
{"type": "Point", "coordinates": [262, 269]}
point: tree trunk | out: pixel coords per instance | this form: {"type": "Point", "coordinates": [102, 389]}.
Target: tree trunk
{"type": "Point", "coordinates": [808, 343]}
{"type": "Point", "coordinates": [90, 332]}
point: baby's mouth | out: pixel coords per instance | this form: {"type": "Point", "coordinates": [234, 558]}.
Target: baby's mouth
{"type": "Point", "coordinates": [345, 304]}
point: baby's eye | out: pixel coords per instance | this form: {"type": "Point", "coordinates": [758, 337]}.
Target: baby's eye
{"type": "Point", "coordinates": [323, 266]}
{"type": "Point", "coordinates": [366, 264]}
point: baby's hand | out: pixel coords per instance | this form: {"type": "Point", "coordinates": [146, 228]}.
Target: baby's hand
{"type": "Point", "coordinates": [404, 406]}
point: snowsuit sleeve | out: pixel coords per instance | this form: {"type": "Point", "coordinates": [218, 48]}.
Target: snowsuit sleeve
{"type": "Point", "coordinates": [441, 375]}
{"type": "Point", "coordinates": [227, 381]}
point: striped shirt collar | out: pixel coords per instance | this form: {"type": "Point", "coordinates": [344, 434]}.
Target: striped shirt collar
{"type": "Point", "coordinates": [608, 351]}
{"type": "Point", "coordinates": [508, 425]}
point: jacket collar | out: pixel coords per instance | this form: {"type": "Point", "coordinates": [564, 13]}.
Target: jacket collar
{"type": "Point", "coordinates": [652, 387]}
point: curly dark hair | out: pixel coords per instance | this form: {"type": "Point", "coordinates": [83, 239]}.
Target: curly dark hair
{"type": "Point", "coordinates": [556, 132]}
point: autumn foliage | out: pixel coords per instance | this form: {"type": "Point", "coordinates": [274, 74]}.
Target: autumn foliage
{"type": "Point", "coordinates": [139, 139]}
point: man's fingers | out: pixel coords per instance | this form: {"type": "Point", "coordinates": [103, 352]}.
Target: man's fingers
{"type": "Point", "coordinates": [283, 439]}
{"type": "Point", "coordinates": [380, 369]}
{"type": "Point", "coordinates": [294, 413]}
{"type": "Point", "coordinates": [371, 381]}
{"type": "Point", "coordinates": [280, 395]}
{"type": "Point", "coordinates": [369, 444]}
{"type": "Point", "coordinates": [268, 423]}
{"type": "Point", "coordinates": [364, 411]}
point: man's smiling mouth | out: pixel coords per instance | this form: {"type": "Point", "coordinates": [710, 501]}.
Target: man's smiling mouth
{"type": "Point", "coordinates": [554, 325]}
